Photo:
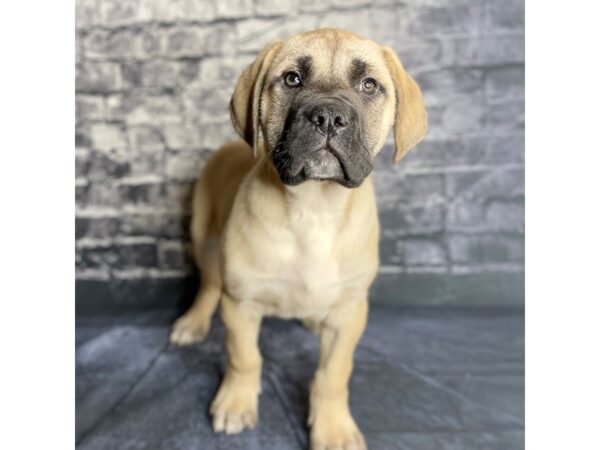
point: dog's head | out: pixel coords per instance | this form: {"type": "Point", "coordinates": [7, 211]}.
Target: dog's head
{"type": "Point", "coordinates": [325, 102]}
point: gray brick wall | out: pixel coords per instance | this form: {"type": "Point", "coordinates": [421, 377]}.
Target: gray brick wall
{"type": "Point", "coordinates": [153, 81]}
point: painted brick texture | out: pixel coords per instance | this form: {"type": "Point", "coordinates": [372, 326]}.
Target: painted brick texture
{"type": "Point", "coordinates": [153, 82]}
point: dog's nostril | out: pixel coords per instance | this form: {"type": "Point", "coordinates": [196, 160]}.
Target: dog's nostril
{"type": "Point", "coordinates": [340, 122]}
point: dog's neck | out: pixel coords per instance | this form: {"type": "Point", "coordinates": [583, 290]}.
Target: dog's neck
{"type": "Point", "coordinates": [328, 198]}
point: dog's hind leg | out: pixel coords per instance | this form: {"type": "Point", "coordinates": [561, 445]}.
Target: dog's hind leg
{"type": "Point", "coordinates": [194, 325]}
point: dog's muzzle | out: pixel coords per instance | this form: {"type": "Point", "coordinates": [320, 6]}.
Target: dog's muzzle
{"type": "Point", "coordinates": [322, 141]}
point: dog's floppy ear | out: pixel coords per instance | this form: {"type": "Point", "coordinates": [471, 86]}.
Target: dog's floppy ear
{"type": "Point", "coordinates": [410, 124]}
{"type": "Point", "coordinates": [245, 102]}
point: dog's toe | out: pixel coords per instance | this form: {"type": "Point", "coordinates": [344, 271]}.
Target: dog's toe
{"type": "Point", "coordinates": [234, 409]}
{"type": "Point", "coordinates": [187, 331]}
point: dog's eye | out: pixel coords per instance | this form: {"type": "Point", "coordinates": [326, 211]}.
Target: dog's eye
{"type": "Point", "coordinates": [292, 79]}
{"type": "Point", "coordinates": [368, 86]}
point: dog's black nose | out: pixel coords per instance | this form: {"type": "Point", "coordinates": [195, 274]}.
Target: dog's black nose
{"type": "Point", "coordinates": [329, 118]}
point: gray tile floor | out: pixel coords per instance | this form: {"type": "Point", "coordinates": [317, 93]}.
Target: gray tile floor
{"type": "Point", "coordinates": [423, 380]}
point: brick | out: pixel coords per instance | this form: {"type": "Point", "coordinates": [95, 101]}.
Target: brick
{"type": "Point", "coordinates": [146, 138]}
{"type": "Point", "coordinates": [348, 20]}
{"type": "Point", "coordinates": [208, 105]}
{"type": "Point", "coordinates": [79, 46]}
{"type": "Point", "coordinates": [423, 54]}
{"type": "Point", "coordinates": [147, 194]}
{"type": "Point", "coordinates": [480, 149]}
{"type": "Point", "coordinates": [485, 249]}
{"type": "Point", "coordinates": [271, 8]}
{"type": "Point", "coordinates": [181, 136]}
{"type": "Point", "coordinates": [147, 109]}
{"type": "Point", "coordinates": [188, 71]}
{"type": "Point", "coordinates": [449, 82]}
{"type": "Point", "coordinates": [96, 257]}
{"type": "Point", "coordinates": [198, 136]}
{"type": "Point", "coordinates": [216, 71]}
{"type": "Point", "coordinates": [506, 15]}
{"type": "Point", "coordinates": [391, 251]}
{"type": "Point", "coordinates": [410, 220]}
{"type": "Point", "coordinates": [159, 225]}
{"type": "Point", "coordinates": [150, 43]}
{"type": "Point", "coordinates": [505, 116]}
{"type": "Point", "coordinates": [203, 11]}
{"type": "Point", "coordinates": [81, 162]}
{"type": "Point", "coordinates": [188, 41]}
{"type": "Point", "coordinates": [86, 13]}
{"type": "Point", "coordinates": [98, 77]}
{"type": "Point", "coordinates": [103, 165]}
{"type": "Point", "coordinates": [195, 41]}
{"type": "Point", "coordinates": [147, 164]}
{"type": "Point", "coordinates": [233, 9]}
{"type": "Point", "coordinates": [508, 216]}
{"type": "Point", "coordinates": [170, 10]}
{"type": "Point", "coordinates": [409, 190]}
{"type": "Point", "coordinates": [469, 193]}
{"type": "Point", "coordinates": [253, 34]}
{"type": "Point", "coordinates": [136, 255]}
{"type": "Point", "coordinates": [131, 74]}
{"type": "Point", "coordinates": [125, 12]}
{"type": "Point", "coordinates": [95, 227]}
{"type": "Point", "coordinates": [184, 165]}
{"type": "Point", "coordinates": [96, 194]}
{"type": "Point", "coordinates": [173, 255]}
{"type": "Point", "coordinates": [110, 44]}
{"type": "Point", "coordinates": [465, 215]}
{"type": "Point", "coordinates": [314, 5]}
{"type": "Point", "coordinates": [484, 50]}
{"type": "Point", "coordinates": [166, 74]}
{"type": "Point", "coordinates": [178, 195]}
{"type": "Point", "coordinates": [214, 135]}
{"type": "Point", "coordinates": [107, 137]}
{"type": "Point", "coordinates": [485, 184]}
{"type": "Point", "coordinates": [506, 82]}
{"type": "Point", "coordinates": [465, 114]}
{"type": "Point", "coordinates": [466, 18]}
{"type": "Point", "coordinates": [418, 252]}
{"type": "Point", "coordinates": [449, 151]}
{"type": "Point", "coordinates": [113, 107]}
{"type": "Point", "coordinates": [160, 73]}
{"type": "Point", "coordinates": [89, 107]}
{"type": "Point", "coordinates": [506, 148]}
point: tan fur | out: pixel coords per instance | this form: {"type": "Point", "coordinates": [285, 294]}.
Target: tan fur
{"type": "Point", "coordinates": [308, 252]}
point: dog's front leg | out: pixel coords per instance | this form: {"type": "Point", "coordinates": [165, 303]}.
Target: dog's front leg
{"type": "Point", "coordinates": [235, 406]}
{"type": "Point", "coordinates": [332, 425]}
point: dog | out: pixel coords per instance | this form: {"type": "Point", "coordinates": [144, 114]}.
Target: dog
{"type": "Point", "coordinates": [284, 222]}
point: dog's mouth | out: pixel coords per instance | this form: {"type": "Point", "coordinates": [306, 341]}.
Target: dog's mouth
{"type": "Point", "coordinates": [322, 164]}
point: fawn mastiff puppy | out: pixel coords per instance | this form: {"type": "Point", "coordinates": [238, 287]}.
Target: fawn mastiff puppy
{"type": "Point", "coordinates": [292, 231]}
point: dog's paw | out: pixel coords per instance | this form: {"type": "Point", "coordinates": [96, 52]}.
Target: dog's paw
{"type": "Point", "coordinates": [235, 407]}
{"type": "Point", "coordinates": [334, 428]}
{"type": "Point", "coordinates": [189, 329]}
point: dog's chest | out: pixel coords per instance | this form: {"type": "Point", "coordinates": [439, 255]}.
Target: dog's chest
{"type": "Point", "coordinates": [299, 273]}
{"type": "Point", "coordinates": [312, 263]}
